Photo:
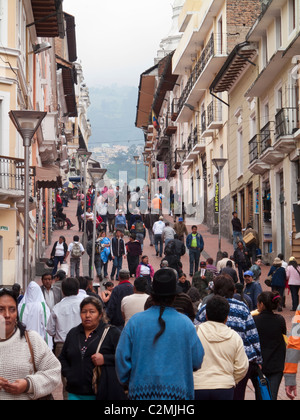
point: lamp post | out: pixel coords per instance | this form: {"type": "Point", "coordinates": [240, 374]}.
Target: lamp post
{"type": "Point", "coordinates": [97, 175]}
{"type": "Point", "coordinates": [219, 164]}
{"type": "Point", "coordinates": [145, 154]}
{"type": "Point", "coordinates": [181, 154]}
{"type": "Point", "coordinates": [27, 124]}
{"type": "Point", "coordinates": [136, 158]}
{"type": "Point", "coordinates": [84, 155]}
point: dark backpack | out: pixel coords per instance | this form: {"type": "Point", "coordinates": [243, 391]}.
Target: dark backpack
{"type": "Point", "coordinates": [139, 227]}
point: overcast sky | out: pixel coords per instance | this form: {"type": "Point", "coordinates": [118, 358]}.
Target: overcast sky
{"type": "Point", "coordinates": [118, 40]}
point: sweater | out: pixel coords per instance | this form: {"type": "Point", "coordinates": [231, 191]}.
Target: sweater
{"type": "Point", "coordinates": [293, 275]}
{"type": "Point", "coordinates": [15, 363]}
{"type": "Point", "coordinates": [164, 370]}
{"type": "Point", "coordinates": [225, 362]}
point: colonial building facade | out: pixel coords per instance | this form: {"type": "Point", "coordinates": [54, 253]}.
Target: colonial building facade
{"type": "Point", "coordinates": [233, 93]}
{"type": "Point", "coordinates": [37, 52]}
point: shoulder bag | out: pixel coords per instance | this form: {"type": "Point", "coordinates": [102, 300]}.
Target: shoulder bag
{"type": "Point", "coordinates": [47, 397]}
{"type": "Point", "coordinates": [269, 279]}
{"type": "Point", "coordinates": [97, 369]}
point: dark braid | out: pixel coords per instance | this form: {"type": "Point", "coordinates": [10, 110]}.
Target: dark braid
{"type": "Point", "coordinates": [163, 302]}
{"type": "Point", "coordinates": [161, 323]}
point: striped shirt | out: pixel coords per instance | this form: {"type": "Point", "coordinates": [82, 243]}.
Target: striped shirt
{"type": "Point", "coordinates": [241, 321]}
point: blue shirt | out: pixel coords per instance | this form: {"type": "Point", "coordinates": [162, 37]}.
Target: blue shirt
{"type": "Point", "coordinates": [164, 370]}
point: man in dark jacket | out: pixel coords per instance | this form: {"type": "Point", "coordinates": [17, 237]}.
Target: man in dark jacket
{"type": "Point", "coordinates": [237, 230]}
{"type": "Point", "coordinates": [113, 310]}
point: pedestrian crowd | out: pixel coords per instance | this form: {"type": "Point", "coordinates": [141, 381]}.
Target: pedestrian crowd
{"type": "Point", "coordinates": [164, 337]}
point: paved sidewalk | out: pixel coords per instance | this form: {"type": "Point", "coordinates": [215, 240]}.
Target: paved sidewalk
{"type": "Point", "coordinates": [210, 250]}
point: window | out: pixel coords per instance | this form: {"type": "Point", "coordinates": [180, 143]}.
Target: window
{"type": "Point", "coordinates": [220, 36]}
{"type": "Point", "coordinates": [253, 126]}
{"type": "Point", "coordinates": [278, 32]}
{"type": "Point", "coordinates": [292, 15]}
{"type": "Point", "coordinates": [264, 49]}
{"type": "Point", "coordinates": [240, 152]}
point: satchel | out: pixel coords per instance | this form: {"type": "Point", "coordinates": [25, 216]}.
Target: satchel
{"type": "Point", "coordinates": [97, 369]}
{"type": "Point", "coordinates": [269, 279]}
{"type": "Point", "coordinates": [47, 397]}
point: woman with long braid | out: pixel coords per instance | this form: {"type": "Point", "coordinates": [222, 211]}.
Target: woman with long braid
{"type": "Point", "coordinates": [153, 342]}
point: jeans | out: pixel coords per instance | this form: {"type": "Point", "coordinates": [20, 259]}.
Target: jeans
{"type": "Point", "coordinates": [99, 265]}
{"type": "Point", "coordinates": [75, 267]}
{"type": "Point", "coordinates": [158, 240]}
{"type": "Point", "coordinates": [195, 255]}
{"type": "Point", "coordinates": [295, 296]}
{"type": "Point", "coordinates": [237, 237]}
{"type": "Point", "coordinates": [151, 236]}
{"type": "Point", "coordinates": [140, 238]}
{"type": "Point", "coordinates": [57, 260]}
{"type": "Point", "coordinates": [117, 266]}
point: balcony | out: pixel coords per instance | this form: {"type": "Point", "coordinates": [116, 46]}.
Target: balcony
{"type": "Point", "coordinates": [171, 127]}
{"type": "Point", "coordinates": [268, 154]}
{"type": "Point", "coordinates": [12, 176]}
{"type": "Point", "coordinates": [174, 110]}
{"type": "Point", "coordinates": [287, 125]}
{"type": "Point", "coordinates": [256, 166]}
{"type": "Point", "coordinates": [214, 115]}
{"type": "Point", "coordinates": [208, 64]}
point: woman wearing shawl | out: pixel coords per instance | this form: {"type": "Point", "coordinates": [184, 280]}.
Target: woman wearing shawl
{"type": "Point", "coordinates": [34, 312]}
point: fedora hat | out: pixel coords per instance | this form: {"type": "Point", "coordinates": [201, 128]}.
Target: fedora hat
{"type": "Point", "coordinates": [277, 261]}
{"type": "Point", "coordinates": [165, 283]}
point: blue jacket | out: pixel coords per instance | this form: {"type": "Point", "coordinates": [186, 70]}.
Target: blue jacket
{"type": "Point", "coordinates": [164, 370]}
{"type": "Point", "coordinates": [200, 241]}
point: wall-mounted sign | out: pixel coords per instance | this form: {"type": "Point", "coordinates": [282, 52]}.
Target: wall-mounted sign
{"type": "Point", "coordinates": [217, 198]}
{"type": "Point", "coordinates": [4, 229]}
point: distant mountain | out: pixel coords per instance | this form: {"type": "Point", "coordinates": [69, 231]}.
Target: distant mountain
{"type": "Point", "coordinates": [112, 114]}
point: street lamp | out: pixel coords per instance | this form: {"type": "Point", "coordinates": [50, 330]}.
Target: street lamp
{"type": "Point", "coordinates": [136, 158]}
{"type": "Point", "coordinates": [181, 153]}
{"type": "Point", "coordinates": [145, 155]}
{"type": "Point", "coordinates": [219, 164]}
{"type": "Point", "coordinates": [84, 155]}
{"type": "Point", "coordinates": [97, 175]}
{"type": "Point", "coordinates": [27, 124]}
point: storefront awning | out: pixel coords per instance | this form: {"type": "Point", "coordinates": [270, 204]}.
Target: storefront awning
{"type": "Point", "coordinates": [48, 177]}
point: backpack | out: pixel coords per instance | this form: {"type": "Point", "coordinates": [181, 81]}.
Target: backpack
{"type": "Point", "coordinates": [76, 251]}
{"type": "Point", "coordinates": [98, 248]}
{"type": "Point", "coordinates": [139, 227]}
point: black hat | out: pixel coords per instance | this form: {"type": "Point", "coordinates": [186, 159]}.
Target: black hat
{"type": "Point", "coordinates": [165, 283]}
